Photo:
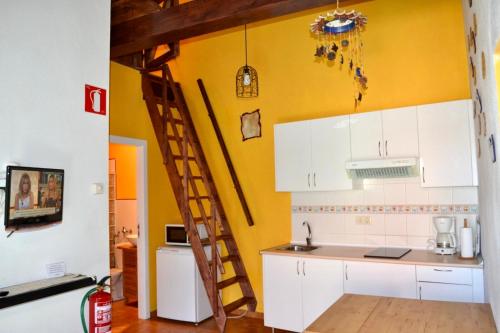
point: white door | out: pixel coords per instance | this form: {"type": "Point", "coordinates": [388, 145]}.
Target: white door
{"type": "Point", "coordinates": [331, 149]}
{"type": "Point", "coordinates": [292, 152]}
{"type": "Point", "coordinates": [444, 292]}
{"type": "Point", "coordinates": [445, 145]}
{"type": "Point", "coordinates": [378, 279]}
{"type": "Point", "coordinates": [366, 136]}
{"type": "Point", "coordinates": [322, 285]}
{"type": "Point", "coordinates": [400, 132]}
{"type": "Point", "coordinates": [282, 292]}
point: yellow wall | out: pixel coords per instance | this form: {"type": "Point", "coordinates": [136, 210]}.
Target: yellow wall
{"type": "Point", "coordinates": [414, 53]}
{"type": "Point", "coordinates": [126, 170]}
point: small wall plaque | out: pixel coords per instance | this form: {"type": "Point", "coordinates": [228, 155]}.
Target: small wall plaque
{"type": "Point", "coordinates": [250, 125]}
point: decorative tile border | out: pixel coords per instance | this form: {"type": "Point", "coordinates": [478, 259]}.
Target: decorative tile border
{"type": "Point", "coordinates": [390, 209]}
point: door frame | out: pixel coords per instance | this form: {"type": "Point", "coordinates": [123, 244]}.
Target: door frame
{"type": "Point", "coordinates": [143, 293]}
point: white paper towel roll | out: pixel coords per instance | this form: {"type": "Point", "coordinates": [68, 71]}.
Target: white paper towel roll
{"type": "Point", "coordinates": [467, 250]}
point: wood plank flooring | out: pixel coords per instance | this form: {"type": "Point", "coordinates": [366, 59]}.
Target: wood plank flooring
{"type": "Point", "coordinates": [125, 321]}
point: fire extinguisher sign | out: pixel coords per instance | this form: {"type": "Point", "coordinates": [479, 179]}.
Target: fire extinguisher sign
{"type": "Point", "coordinates": [95, 100]}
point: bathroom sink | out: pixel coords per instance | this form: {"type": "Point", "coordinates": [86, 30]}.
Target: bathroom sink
{"type": "Point", "coordinates": [298, 248]}
{"type": "Point", "coordinates": [132, 239]}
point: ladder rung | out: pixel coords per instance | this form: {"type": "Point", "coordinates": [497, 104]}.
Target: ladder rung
{"type": "Point", "coordinates": [180, 157]}
{"type": "Point", "coordinates": [238, 304]}
{"type": "Point", "coordinates": [200, 219]}
{"type": "Point", "coordinates": [173, 138]}
{"type": "Point", "coordinates": [177, 121]}
{"type": "Point", "coordinates": [201, 197]}
{"type": "Point", "coordinates": [197, 177]}
{"type": "Point", "coordinates": [206, 241]}
{"type": "Point", "coordinates": [226, 259]}
{"type": "Point", "coordinates": [228, 282]}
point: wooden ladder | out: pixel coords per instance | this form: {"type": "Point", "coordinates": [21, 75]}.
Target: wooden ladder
{"type": "Point", "coordinates": [195, 193]}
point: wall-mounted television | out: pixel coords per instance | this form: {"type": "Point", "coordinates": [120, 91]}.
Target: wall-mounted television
{"type": "Point", "coordinates": [33, 196]}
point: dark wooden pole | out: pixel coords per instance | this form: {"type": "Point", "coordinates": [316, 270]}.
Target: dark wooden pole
{"type": "Point", "coordinates": [225, 152]}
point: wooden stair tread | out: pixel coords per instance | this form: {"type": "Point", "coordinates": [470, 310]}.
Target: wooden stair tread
{"type": "Point", "coordinates": [199, 219]}
{"type": "Point", "coordinates": [202, 197]}
{"type": "Point", "coordinates": [206, 241]}
{"type": "Point", "coordinates": [180, 157]}
{"type": "Point", "coordinates": [228, 258]}
{"type": "Point", "coordinates": [229, 282]}
{"type": "Point", "coordinates": [238, 304]}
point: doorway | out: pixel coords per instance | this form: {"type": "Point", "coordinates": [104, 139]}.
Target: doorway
{"type": "Point", "coordinates": [131, 218]}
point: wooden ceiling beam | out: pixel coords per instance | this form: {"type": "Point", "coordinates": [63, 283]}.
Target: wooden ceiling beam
{"type": "Point", "coordinates": [200, 17]}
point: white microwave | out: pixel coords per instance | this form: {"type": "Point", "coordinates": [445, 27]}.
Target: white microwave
{"type": "Point", "coordinates": [175, 234]}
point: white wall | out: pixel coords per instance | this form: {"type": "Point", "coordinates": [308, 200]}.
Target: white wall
{"type": "Point", "coordinates": [49, 50]}
{"type": "Point", "coordinates": [488, 32]}
{"type": "Point", "coordinates": [400, 213]}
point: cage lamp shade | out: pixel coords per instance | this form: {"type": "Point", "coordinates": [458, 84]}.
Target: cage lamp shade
{"type": "Point", "coordinates": [247, 82]}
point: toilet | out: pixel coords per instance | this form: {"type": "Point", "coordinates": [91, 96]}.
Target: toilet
{"type": "Point", "coordinates": [116, 284]}
{"type": "Point", "coordinates": [117, 276]}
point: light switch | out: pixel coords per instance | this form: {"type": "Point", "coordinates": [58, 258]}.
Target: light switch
{"type": "Point", "coordinates": [97, 188]}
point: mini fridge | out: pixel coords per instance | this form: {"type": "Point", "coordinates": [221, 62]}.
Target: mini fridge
{"type": "Point", "coordinates": [181, 294]}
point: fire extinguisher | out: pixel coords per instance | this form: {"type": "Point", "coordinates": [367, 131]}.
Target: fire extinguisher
{"type": "Point", "coordinates": [99, 309]}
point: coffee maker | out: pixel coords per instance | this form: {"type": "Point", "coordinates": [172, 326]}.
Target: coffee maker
{"type": "Point", "coordinates": [446, 241]}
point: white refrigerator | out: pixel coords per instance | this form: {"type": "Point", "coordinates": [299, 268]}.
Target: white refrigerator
{"type": "Point", "coordinates": [181, 294]}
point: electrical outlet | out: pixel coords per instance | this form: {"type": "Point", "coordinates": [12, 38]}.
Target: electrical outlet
{"type": "Point", "coordinates": [363, 219]}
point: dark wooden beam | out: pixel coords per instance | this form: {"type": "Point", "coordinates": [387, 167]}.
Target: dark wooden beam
{"type": "Point", "coordinates": [200, 17]}
{"type": "Point", "coordinates": [126, 10]}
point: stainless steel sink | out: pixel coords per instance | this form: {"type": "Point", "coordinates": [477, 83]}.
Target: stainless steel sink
{"type": "Point", "coordinates": [298, 248]}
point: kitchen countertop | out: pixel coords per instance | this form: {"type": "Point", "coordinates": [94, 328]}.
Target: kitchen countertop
{"type": "Point", "coordinates": [373, 314]}
{"type": "Point", "coordinates": [355, 253]}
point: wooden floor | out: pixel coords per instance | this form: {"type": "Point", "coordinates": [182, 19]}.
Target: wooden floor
{"type": "Point", "coordinates": [125, 321]}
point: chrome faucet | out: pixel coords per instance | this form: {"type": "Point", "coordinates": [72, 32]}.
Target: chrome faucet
{"type": "Point", "coordinates": [309, 237]}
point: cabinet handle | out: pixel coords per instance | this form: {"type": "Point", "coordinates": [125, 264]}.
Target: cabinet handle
{"type": "Point", "coordinates": [420, 292]}
{"type": "Point", "coordinates": [298, 273]}
{"type": "Point", "coordinates": [346, 277]}
{"type": "Point", "coordinates": [308, 180]}
{"type": "Point", "coordinates": [443, 270]}
{"type": "Point", "coordinates": [379, 152]}
{"type": "Point", "coordinates": [304, 268]}
{"type": "Point", "coordinates": [314, 179]}
{"type": "Point", "coordinates": [423, 174]}
{"type": "Point", "coordinates": [386, 153]}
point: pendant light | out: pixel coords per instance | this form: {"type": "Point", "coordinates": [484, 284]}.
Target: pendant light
{"type": "Point", "coordinates": [247, 83]}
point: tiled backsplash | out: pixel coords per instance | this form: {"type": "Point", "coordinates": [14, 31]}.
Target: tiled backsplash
{"type": "Point", "coordinates": [400, 213]}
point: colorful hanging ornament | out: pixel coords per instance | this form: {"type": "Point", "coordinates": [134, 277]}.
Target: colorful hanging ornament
{"type": "Point", "coordinates": [339, 37]}
{"type": "Point", "coordinates": [247, 83]}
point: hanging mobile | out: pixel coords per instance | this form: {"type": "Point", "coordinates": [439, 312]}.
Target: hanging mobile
{"type": "Point", "coordinates": [341, 32]}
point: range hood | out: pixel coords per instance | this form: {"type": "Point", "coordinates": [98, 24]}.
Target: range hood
{"type": "Point", "coordinates": [386, 168]}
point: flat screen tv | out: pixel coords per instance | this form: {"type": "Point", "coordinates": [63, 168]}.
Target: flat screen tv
{"type": "Point", "coordinates": [33, 196]}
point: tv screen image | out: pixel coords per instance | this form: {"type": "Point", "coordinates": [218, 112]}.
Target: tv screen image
{"type": "Point", "coordinates": [33, 196]}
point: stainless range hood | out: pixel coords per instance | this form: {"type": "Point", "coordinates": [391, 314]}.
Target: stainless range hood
{"type": "Point", "coordinates": [386, 168]}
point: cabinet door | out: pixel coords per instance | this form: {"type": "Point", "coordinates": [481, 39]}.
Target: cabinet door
{"type": "Point", "coordinates": [366, 136]}
{"type": "Point", "coordinates": [322, 285]}
{"type": "Point", "coordinates": [400, 132]}
{"type": "Point", "coordinates": [282, 293]}
{"type": "Point", "coordinates": [292, 152]}
{"type": "Point", "coordinates": [445, 145]}
{"type": "Point", "coordinates": [378, 279]}
{"type": "Point", "coordinates": [331, 149]}
{"type": "Point", "coordinates": [444, 292]}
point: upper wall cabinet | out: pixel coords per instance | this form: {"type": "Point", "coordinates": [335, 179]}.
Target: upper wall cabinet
{"type": "Point", "coordinates": [384, 134]}
{"type": "Point", "coordinates": [446, 145]}
{"type": "Point", "coordinates": [311, 155]}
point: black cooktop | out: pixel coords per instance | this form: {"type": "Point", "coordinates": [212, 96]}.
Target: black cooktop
{"type": "Point", "coordinates": [387, 252]}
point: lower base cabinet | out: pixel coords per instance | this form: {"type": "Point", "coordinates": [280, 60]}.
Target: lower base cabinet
{"type": "Point", "coordinates": [444, 292]}
{"type": "Point", "coordinates": [380, 279]}
{"type": "Point", "coordinates": [298, 290]}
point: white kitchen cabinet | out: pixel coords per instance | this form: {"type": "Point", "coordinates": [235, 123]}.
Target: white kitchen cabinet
{"type": "Point", "coordinates": [311, 155]}
{"type": "Point", "coordinates": [454, 284]}
{"type": "Point", "coordinates": [366, 136]}
{"type": "Point", "coordinates": [446, 152]}
{"type": "Point", "coordinates": [282, 292]}
{"type": "Point", "coordinates": [379, 279]}
{"type": "Point", "coordinates": [444, 292]}
{"type": "Point", "coordinates": [292, 151]}
{"type": "Point", "coordinates": [298, 290]}
{"type": "Point", "coordinates": [400, 132]}
{"type": "Point", "coordinates": [384, 134]}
